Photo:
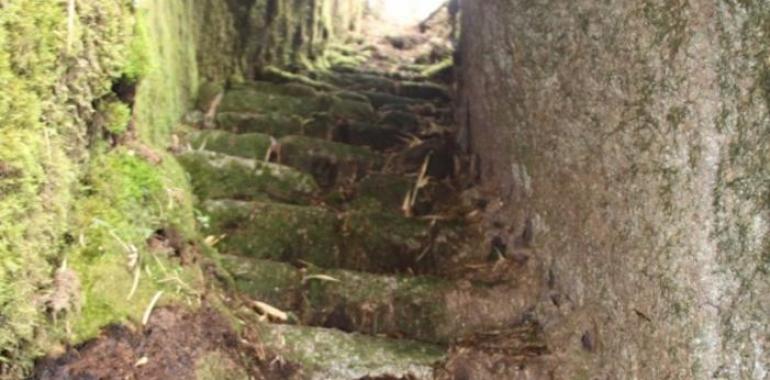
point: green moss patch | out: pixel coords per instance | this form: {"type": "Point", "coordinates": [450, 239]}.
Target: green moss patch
{"type": "Point", "coordinates": [125, 201]}
{"type": "Point", "coordinates": [216, 176]}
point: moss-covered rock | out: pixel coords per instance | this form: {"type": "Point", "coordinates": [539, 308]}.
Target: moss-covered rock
{"type": "Point", "coordinates": [331, 354]}
{"type": "Point", "coordinates": [216, 175]}
{"type": "Point", "coordinates": [423, 90]}
{"type": "Point", "coordinates": [249, 100]}
{"type": "Point", "coordinates": [116, 117]}
{"type": "Point", "coordinates": [366, 239]}
{"type": "Point", "coordinates": [218, 366]}
{"type": "Point", "coordinates": [328, 162]}
{"type": "Point", "coordinates": [247, 145]}
{"type": "Point", "coordinates": [348, 108]}
{"type": "Point", "coordinates": [126, 200]}
{"type": "Point", "coordinates": [381, 241]}
{"type": "Point", "coordinates": [382, 99]}
{"type": "Point", "coordinates": [376, 136]}
{"type": "Point", "coordinates": [421, 308]}
{"type": "Point", "coordinates": [273, 124]}
{"type": "Point", "coordinates": [275, 74]}
{"type": "Point", "coordinates": [275, 231]}
{"type": "Point", "coordinates": [207, 93]}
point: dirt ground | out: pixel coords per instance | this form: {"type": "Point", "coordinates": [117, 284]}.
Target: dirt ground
{"type": "Point", "coordinates": [175, 344]}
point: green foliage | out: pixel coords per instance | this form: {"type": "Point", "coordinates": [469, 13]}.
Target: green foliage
{"type": "Point", "coordinates": [117, 116]}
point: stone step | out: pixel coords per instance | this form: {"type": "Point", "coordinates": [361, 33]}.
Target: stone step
{"type": "Point", "coordinates": [274, 124]}
{"type": "Point", "coordinates": [405, 88]}
{"type": "Point", "coordinates": [389, 133]}
{"type": "Point", "coordinates": [327, 354]}
{"type": "Point", "coordinates": [216, 176]}
{"type": "Point", "coordinates": [328, 162]}
{"type": "Point", "coordinates": [245, 145]}
{"type": "Point", "coordinates": [265, 98]}
{"type": "Point", "coordinates": [421, 308]}
{"type": "Point", "coordinates": [368, 239]}
{"type": "Point", "coordinates": [384, 99]}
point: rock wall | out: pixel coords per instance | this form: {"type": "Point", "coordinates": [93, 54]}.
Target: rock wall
{"type": "Point", "coordinates": [242, 36]}
{"type": "Point", "coordinates": [629, 142]}
{"type": "Point", "coordinates": [91, 94]}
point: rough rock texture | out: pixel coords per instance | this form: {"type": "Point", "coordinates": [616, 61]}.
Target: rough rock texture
{"type": "Point", "coordinates": [91, 92]}
{"type": "Point", "coordinates": [242, 36]}
{"type": "Point", "coordinates": [630, 142]}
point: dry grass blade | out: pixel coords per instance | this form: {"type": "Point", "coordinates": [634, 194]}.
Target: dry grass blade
{"type": "Point", "coordinates": [71, 15]}
{"type": "Point", "coordinates": [274, 149]}
{"type": "Point", "coordinates": [422, 180]}
{"type": "Point", "coordinates": [135, 284]}
{"type": "Point", "coordinates": [271, 311]}
{"type": "Point", "coordinates": [151, 307]}
{"type": "Point", "coordinates": [410, 140]}
{"type": "Point", "coordinates": [212, 111]}
{"type": "Point", "coordinates": [212, 240]}
{"type": "Point", "coordinates": [320, 277]}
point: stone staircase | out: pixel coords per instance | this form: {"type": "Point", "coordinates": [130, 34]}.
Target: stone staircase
{"type": "Point", "coordinates": [338, 218]}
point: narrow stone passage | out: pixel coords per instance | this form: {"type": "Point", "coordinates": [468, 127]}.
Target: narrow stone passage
{"type": "Point", "coordinates": [339, 204]}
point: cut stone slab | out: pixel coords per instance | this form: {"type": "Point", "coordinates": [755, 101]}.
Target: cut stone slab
{"type": "Point", "coordinates": [285, 89]}
{"type": "Point", "coordinates": [424, 90]}
{"type": "Point", "coordinates": [327, 354]}
{"type": "Point", "coordinates": [420, 308]}
{"type": "Point", "coordinates": [292, 100]}
{"type": "Point", "coordinates": [370, 240]}
{"type": "Point", "coordinates": [328, 162]}
{"type": "Point", "coordinates": [246, 145]}
{"type": "Point", "coordinates": [267, 230]}
{"type": "Point", "coordinates": [381, 241]}
{"type": "Point", "coordinates": [276, 75]}
{"type": "Point", "coordinates": [351, 109]}
{"type": "Point", "coordinates": [274, 124]}
{"type": "Point", "coordinates": [403, 121]}
{"type": "Point", "coordinates": [249, 100]}
{"type": "Point", "coordinates": [363, 81]}
{"type": "Point", "coordinates": [376, 136]}
{"type": "Point", "coordinates": [389, 190]}
{"type": "Point", "coordinates": [215, 176]}
{"type": "Point", "coordinates": [381, 99]}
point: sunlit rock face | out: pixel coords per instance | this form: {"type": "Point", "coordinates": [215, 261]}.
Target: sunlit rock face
{"type": "Point", "coordinates": [634, 138]}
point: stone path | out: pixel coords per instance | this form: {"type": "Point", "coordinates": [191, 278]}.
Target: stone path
{"type": "Point", "coordinates": [337, 205]}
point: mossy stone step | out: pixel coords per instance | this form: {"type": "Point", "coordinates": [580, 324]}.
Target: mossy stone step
{"type": "Point", "coordinates": [376, 136]}
{"type": "Point", "coordinates": [327, 354]}
{"type": "Point", "coordinates": [420, 308]}
{"type": "Point", "coordinates": [382, 99]}
{"type": "Point", "coordinates": [403, 121]}
{"type": "Point", "coordinates": [363, 81]}
{"type": "Point", "coordinates": [423, 90]}
{"type": "Point", "coordinates": [286, 89]}
{"type": "Point", "coordinates": [246, 145]}
{"type": "Point", "coordinates": [216, 175]}
{"type": "Point", "coordinates": [377, 190]}
{"type": "Point", "coordinates": [274, 231]}
{"type": "Point", "coordinates": [329, 162]}
{"type": "Point", "coordinates": [266, 98]}
{"type": "Point", "coordinates": [405, 88]}
{"type": "Point", "coordinates": [273, 124]}
{"type": "Point", "coordinates": [369, 240]}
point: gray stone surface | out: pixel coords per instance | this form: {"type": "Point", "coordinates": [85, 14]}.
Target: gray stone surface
{"type": "Point", "coordinates": [631, 143]}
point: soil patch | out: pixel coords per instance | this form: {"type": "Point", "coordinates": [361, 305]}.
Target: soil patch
{"type": "Point", "coordinates": [176, 344]}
